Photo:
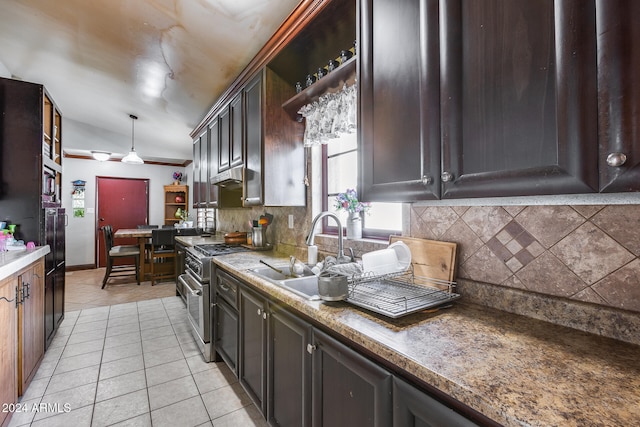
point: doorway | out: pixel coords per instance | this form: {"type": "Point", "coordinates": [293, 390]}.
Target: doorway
{"type": "Point", "coordinates": [121, 203]}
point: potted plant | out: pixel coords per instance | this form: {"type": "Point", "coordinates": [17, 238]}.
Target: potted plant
{"type": "Point", "coordinates": [348, 201]}
{"type": "Point", "coordinates": [177, 177]}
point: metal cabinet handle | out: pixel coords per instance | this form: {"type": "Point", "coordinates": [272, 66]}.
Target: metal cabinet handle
{"type": "Point", "coordinates": [259, 312]}
{"type": "Point", "coordinates": [426, 180]}
{"type": "Point", "coordinates": [446, 177]}
{"type": "Point", "coordinates": [264, 315]}
{"type": "Point", "coordinates": [311, 348]}
{"type": "Point", "coordinates": [616, 159]}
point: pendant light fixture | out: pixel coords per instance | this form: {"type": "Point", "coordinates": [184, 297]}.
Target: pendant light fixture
{"type": "Point", "coordinates": [132, 157]}
{"type": "Point", "coordinates": [101, 156]}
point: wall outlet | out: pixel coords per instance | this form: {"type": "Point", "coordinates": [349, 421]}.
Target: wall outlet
{"type": "Point", "coordinates": [290, 221]}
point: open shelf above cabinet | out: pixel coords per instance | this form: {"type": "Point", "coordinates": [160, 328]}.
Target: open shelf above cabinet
{"type": "Point", "coordinates": [331, 83]}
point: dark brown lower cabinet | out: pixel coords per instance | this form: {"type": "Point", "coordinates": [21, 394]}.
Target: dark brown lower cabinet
{"type": "Point", "coordinates": [289, 370]}
{"type": "Point", "coordinates": [300, 376]}
{"type": "Point", "coordinates": [413, 408]}
{"type": "Point", "coordinates": [226, 318]}
{"type": "Point", "coordinates": [348, 389]}
{"type": "Point", "coordinates": [252, 367]}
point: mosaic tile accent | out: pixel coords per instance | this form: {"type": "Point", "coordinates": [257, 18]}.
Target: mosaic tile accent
{"type": "Point", "coordinates": [511, 245]}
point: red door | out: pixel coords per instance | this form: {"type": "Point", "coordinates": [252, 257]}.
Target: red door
{"type": "Point", "coordinates": [121, 203]}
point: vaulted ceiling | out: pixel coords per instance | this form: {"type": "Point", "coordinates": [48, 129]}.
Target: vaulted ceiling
{"type": "Point", "coordinates": [165, 61]}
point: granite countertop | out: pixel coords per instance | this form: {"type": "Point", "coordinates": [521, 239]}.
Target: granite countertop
{"type": "Point", "coordinates": [200, 240]}
{"type": "Point", "coordinates": [13, 261]}
{"type": "Point", "coordinates": [515, 370]}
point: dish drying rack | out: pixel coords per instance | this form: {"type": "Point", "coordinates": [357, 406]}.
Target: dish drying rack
{"type": "Point", "coordinates": [398, 294]}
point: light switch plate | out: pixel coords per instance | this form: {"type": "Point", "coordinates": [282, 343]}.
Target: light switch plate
{"type": "Point", "coordinates": [290, 221]}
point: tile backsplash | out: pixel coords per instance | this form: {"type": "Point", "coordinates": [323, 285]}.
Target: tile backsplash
{"type": "Point", "coordinates": [584, 253]}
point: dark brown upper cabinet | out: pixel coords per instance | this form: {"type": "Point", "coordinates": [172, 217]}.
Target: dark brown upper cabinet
{"type": "Point", "coordinates": [477, 98]}
{"type": "Point", "coordinates": [224, 141]}
{"type": "Point", "coordinates": [399, 124]}
{"type": "Point", "coordinates": [518, 97]}
{"type": "Point", "coordinates": [230, 144]}
{"type": "Point", "coordinates": [618, 35]}
{"type": "Point", "coordinates": [213, 130]}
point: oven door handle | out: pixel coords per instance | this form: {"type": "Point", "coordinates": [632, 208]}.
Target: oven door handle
{"type": "Point", "coordinates": [194, 292]}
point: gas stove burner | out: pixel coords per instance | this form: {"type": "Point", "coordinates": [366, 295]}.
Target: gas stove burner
{"type": "Point", "coordinates": [218, 249]}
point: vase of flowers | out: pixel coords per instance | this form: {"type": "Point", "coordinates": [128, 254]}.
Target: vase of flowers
{"type": "Point", "coordinates": [177, 177]}
{"type": "Point", "coordinates": [348, 201]}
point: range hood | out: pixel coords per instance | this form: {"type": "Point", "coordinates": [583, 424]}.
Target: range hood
{"type": "Point", "coordinates": [231, 178]}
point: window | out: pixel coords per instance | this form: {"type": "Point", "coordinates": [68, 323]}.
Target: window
{"type": "Point", "coordinates": [340, 172]}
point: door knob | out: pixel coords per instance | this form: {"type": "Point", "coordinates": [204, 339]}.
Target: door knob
{"type": "Point", "coordinates": [446, 176]}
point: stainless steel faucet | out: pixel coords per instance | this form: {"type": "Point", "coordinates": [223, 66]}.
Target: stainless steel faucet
{"type": "Point", "coordinates": [341, 258]}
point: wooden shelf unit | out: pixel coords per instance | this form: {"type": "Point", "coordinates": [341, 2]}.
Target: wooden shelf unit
{"type": "Point", "coordinates": [170, 204]}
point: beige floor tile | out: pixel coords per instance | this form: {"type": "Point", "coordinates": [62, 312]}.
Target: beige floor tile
{"type": "Point", "coordinates": [76, 417]}
{"type": "Point", "coordinates": [190, 412]}
{"type": "Point", "coordinates": [171, 392]}
{"type": "Point", "coordinates": [224, 400]}
{"type": "Point", "coordinates": [121, 385]}
{"type": "Point", "coordinates": [120, 408]}
{"type": "Point", "coordinates": [121, 366]}
{"type": "Point", "coordinates": [67, 400]}
{"type": "Point", "coordinates": [167, 372]}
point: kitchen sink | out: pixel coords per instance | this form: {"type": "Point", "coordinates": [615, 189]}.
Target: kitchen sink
{"type": "Point", "coordinates": [305, 286]}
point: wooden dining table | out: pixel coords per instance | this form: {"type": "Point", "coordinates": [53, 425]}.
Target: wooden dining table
{"type": "Point", "coordinates": [142, 234]}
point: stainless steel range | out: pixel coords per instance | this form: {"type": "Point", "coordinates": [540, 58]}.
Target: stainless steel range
{"type": "Point", "coordinates": [195, 288]}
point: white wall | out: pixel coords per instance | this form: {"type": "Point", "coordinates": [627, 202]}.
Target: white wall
{"type": "Point", "coordinates": [80, 244]}
{"type": "Point", "coordinates": [4, 71]}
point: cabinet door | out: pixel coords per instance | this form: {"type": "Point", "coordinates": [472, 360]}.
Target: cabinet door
{"type": "Point", "coordinates": [213, 145]}
{"type": "Point", "coordinates": [399, 126]}
{"type": "Point", "coordinates": [518, 97]}
{"type": "Point", "coordinates": [8, 340]}
{"type": "Point", "coordinates": [253, 126]}
{"type": "Point", "coordinates": [348, 389]}
{"type": "Point", "coordinates": [289, 371]}
{"type": "Point", "coordinates": [226, 334]}
{"type": "Point", "coordinates": [196, 172]}
{"type": "Point", "coordinates": [58, 296]}
{"type": "Point", "coordinates": [224, 153]}
{"type": "Point", "coordinates": [237, 132]}
{"type": "Point", "coordinates": [204, 170]}
{"type": "Point", "coordinates": [619, 94]}
{"type": "Point", "coordinates": [252, 361]}
{"type": "Point", "coordinates": [49, 291]}
{"type": "Point", "coordinates": [30, 324]}
{"type": "Point", "coordinates": [413, 408]}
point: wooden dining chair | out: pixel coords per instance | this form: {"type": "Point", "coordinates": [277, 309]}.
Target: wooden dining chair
{"type": "Point", "coordinates": [147, 244]}
{"type": "Point", "coordinates": [118, 252]}
{"type": "Point", "coordinates": [163, 254]}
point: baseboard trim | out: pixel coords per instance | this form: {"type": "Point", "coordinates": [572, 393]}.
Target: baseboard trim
{"type": "Point", "coordinates": [79, 267]}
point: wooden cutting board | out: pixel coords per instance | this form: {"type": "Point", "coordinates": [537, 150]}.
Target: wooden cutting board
{"type": "Point", "coordinates": [431, 258]}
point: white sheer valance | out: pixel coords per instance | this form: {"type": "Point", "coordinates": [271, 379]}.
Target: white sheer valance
{"type": "Point", "coordinates": [331, 115]}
